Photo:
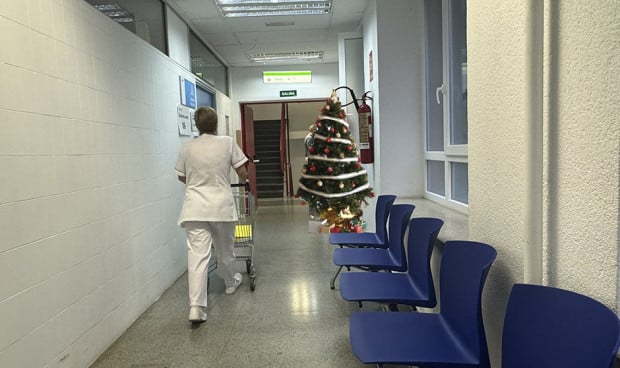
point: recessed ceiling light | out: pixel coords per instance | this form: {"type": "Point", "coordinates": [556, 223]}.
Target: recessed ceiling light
{"type": "Point", "coordinates": [262, 8]}
{"type": "Point", "coordinates": [288, 56]}
{"type": "Point", "coordinates": [115, 12]}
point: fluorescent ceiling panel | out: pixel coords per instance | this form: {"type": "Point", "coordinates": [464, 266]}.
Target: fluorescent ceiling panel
{"type": "Point", "coordinates": [262, 8]}
{"type": "Point", "coordinates": [115, 12]}
{"type": "Point", "coordinates": [291, 56]}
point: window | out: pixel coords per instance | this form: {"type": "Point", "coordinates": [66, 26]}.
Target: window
{"type": "Point", "coordinates": [204, 97]}
{"type": "Point", "coordinates": [206, 66]}
{"type": "Point", "coordinates": [446, 103]}
{"type": "Point", "coordinates": [145, 18]}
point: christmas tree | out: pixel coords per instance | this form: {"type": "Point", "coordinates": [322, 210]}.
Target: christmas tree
{"type": "Point", "coordinates": [333, 182]}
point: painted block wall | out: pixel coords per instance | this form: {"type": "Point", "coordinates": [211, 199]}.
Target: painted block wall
{"type": "Point", "coordinates": [88, 196]}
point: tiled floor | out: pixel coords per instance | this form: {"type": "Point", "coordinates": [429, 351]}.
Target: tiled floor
{"type": "Point", "coordinates": [292, 319]}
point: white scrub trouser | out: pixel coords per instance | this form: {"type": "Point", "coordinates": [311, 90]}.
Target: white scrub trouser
{"type": "Point", "coordinates": [200, 236]}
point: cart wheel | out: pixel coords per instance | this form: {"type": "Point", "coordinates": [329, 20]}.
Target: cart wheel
{"type": "Point", "coordinates": [248, 266]}
{"type": "Point", "coordinates": [252, 284]}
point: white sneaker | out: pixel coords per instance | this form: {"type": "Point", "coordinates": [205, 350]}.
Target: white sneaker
{"type": "Point", "coordinates": [197, 314]}
{"type": "Point", "coordinates": [233, 288]}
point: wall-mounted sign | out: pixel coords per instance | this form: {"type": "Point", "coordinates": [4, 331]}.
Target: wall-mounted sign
{"type": "Point", "coordinates": [288, 77]}
{"type": "Point", "coordinates": [188, 92]}
{"type": "Point", "coordinates": [291, 93]}
{"type": "Point", "coordinates": [184, 117]}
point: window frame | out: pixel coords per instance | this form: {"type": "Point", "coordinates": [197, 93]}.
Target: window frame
{"type": "Point", "coordinates": [451, 152]}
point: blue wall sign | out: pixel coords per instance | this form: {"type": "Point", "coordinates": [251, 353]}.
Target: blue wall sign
{"type": "Point", "coordinates": [188, 92]}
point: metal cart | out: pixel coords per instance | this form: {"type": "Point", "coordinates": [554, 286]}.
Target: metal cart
{"type": "Point", "coordinates": [244, 228]}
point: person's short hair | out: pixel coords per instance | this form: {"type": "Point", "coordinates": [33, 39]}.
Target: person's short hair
{"type": "Point", "coordinates": [206, 119]}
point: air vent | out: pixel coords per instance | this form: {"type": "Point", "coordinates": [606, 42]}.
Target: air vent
{"type": "Point", "coordinates": [280, 24]}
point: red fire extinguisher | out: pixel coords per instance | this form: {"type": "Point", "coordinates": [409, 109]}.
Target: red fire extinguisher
{"type": "Point", "coordinates": [366, 144]}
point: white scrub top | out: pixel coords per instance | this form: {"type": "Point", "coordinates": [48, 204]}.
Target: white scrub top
{"type": "Point", "coordinates": [205, 162]}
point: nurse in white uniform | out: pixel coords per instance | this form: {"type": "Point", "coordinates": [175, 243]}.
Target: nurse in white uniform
{"type": "Point", "coordinates": [209, 214]}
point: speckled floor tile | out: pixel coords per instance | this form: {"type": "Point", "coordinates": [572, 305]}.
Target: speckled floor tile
{"type": "Point", "coordinates": [292, 319]}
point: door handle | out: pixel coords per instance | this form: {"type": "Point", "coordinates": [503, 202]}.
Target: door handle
{"type": "Point", "coordinates": [441, 89]}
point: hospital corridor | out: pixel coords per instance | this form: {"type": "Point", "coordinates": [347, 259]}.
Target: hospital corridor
{"type": "Point", "coordinates": [292, 319]}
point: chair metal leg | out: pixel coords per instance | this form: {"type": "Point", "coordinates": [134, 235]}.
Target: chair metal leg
{"type": "Point", "coordinates": [332, 283]}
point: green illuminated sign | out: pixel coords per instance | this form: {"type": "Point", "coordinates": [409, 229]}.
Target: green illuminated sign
{"type": "Point", "coordinates": [291, 93]}
{"type": "Point", "coordinates": [288, 77]}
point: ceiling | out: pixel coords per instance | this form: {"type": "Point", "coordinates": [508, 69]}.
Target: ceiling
{"type": "Point", "coordinates": [235, 39]}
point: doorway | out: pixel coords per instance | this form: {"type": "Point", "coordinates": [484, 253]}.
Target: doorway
{"type": "Point", "coordinates": [273, 133]}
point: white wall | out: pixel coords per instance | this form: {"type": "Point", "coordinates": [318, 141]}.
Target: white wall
{"type": "Point", "coordinates": [394, 34]}
{"type": "Point", "coordinates": [574, 199]}
{"type": "Point", "coordinates": [178, 39]}
{"type": "Point", "coordinates": [351, 61]}
{"type": "Point", "coordinates": [248, 86]}
{"type": "Point", "coordinates": [88, 200]}
{"type": "Point", "coordinates": [498, 143]}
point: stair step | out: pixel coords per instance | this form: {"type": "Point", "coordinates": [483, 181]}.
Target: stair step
{"type": "Point", "coordinates": [271, 195]}
{"type": "Point", "coordinates": [265, 164]}
{"type": "Point", "coordinates": [270, 180]}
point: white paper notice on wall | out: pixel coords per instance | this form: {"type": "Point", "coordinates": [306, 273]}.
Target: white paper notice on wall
{"type": "Point", "coordinates": [184, 117]}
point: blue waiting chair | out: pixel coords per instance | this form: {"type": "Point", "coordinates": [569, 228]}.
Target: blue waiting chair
{"type": "Point", "coordinates": [377, 239]}
{"type": "Point", "coordinates": [414, 288]}
{"type": "Point", "coordinates": [549, 327]}
{"type": "Point", "coordinates": [453, 337]}
{"type": "Point", "coordinates": [378, 259]}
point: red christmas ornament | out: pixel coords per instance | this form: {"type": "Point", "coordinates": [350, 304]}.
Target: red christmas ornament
{"type": "Point", "coordinates": [349, 147]}
{"type": "Point", "coordinates": [328, 140]}
{"type": "Point", "coordinates": [326, 151]}
{"type": "Point", "coordinates": [303, 203]}
{"type": "Point", "coordinates": [330, 169]}
{"type": "Point", "coordinates": [353, 184]}
{"type": "Point", "coordinates": [311, 150]}
{"type": "Point", "coordinates": [318, 124]}
{"type": "Point", "coordinates": [372, 194]}
{"type": "Point", "coordinates": [344, 130]}
{"type": "Point", "coordinates": [358, 165]}
{"type": "Point", "coordinates": [331, 129]}
{"type": "Point", "coordinates": [313, 168]}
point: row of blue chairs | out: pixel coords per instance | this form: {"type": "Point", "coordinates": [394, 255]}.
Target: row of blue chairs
{"type": "Point", "coordinates": [543, 327]}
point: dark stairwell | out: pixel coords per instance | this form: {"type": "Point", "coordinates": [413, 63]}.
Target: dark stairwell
{"type": "Point", "coordinates": [269, 178]}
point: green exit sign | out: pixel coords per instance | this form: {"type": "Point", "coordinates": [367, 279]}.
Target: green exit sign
{"type": "Point", "coordinates": [291, 93]}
